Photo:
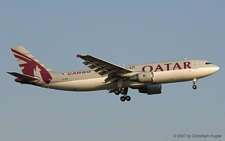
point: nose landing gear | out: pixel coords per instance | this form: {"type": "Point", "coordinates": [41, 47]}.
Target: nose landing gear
{"type": "Point", "coordinates": [194, 84]}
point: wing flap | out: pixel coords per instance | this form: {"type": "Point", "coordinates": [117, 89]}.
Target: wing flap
{"type": "Point", "coordinates": [24, 77]}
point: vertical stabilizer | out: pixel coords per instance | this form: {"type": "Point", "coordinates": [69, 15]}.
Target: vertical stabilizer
{"type": "Point", "coordinates": [30, 65]}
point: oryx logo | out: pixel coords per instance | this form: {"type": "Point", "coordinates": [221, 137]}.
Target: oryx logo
{"type": "Point", "coordinates": [31, 67]}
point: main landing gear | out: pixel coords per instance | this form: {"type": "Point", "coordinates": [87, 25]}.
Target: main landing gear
{"type": "Point", "coordinates": [122, 91]}
{"type": "Point", "coordinates": [123, 98]}
{"type": "Point", "coordinates": [194, 84]}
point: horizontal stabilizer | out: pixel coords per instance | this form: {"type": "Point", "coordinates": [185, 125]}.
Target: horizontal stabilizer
{"type": "Point", "coordinates": [24, 77]}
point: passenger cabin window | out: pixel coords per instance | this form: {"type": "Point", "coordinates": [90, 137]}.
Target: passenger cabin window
{"type": "Point", "coordinates": [208, 63]}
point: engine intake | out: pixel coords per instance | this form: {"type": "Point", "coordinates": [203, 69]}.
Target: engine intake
{"type": "Point", "coordinates": [151, 89]}
{"type": "Point", "coordinates": [143, 77]}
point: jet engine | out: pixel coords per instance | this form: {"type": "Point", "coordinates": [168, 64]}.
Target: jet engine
{"type": "Point", "coordinates": [151, 89]}
{"type": "Point", "coordinates": [143, 77]}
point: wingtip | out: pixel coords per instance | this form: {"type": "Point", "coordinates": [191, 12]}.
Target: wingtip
{"type": "Point", "coordinates": [78, 55]}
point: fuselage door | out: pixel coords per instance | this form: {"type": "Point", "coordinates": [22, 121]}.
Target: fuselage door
{"type": "Point", "coordinates": [195, 64]}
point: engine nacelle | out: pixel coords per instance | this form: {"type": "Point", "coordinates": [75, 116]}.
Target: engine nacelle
{"type": "Point", "coordinates": [151, 89]}
{"type": "Point", "coordinates": [143, 77]}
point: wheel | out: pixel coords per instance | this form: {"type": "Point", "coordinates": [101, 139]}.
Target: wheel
{"type": "Point", "coordinates": [194, 87]}
{"type": "Point", "coordinates": [122, 98]}
{"type": "Point", "coordinates": [122, 91]}
{"type": "Point", "coordinates": [117, 92]}
{"type": "Point", "coordinates": [128, 98]}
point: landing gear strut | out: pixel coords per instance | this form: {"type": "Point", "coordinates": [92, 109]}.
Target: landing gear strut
{"type": "Point", "coordinates": [194, 84]}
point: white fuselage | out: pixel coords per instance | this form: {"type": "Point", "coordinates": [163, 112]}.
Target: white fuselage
{"type": "Point", "coordinates": [164, 72]}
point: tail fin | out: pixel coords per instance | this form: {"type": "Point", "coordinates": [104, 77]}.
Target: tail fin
{"type": "Point", "coordinates": [30, 65]}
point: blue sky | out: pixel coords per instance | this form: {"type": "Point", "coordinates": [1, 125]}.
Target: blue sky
{"type": "Point", "coordinates": [127, 32]}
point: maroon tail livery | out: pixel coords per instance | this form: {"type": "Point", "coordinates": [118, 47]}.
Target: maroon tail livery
{"type": "Point", "coordinates": [30, 65]}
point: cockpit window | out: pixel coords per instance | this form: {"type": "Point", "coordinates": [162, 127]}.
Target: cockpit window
{"type": "Point", "coordinates": [208, 63]}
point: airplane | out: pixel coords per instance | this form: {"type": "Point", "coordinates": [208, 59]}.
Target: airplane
{"type": "Point", "coordinates": [102, 75]}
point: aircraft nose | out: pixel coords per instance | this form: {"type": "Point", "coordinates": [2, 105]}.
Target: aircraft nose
{"type": "Point", "coordinates": [215, 69]}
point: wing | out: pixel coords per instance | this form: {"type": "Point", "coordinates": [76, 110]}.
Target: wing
{"type": "Point", "coordinates": [104, 68]}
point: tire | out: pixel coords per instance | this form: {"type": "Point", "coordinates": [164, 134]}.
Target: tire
{"type": "Point", "coordinates": [117, 92]}
{"type": "Point", "coordinates": [128, 98]}
{"type": "Point", "coordinates": [194, 87]}
{"type": "Point", "coordinates": [122, 98]}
